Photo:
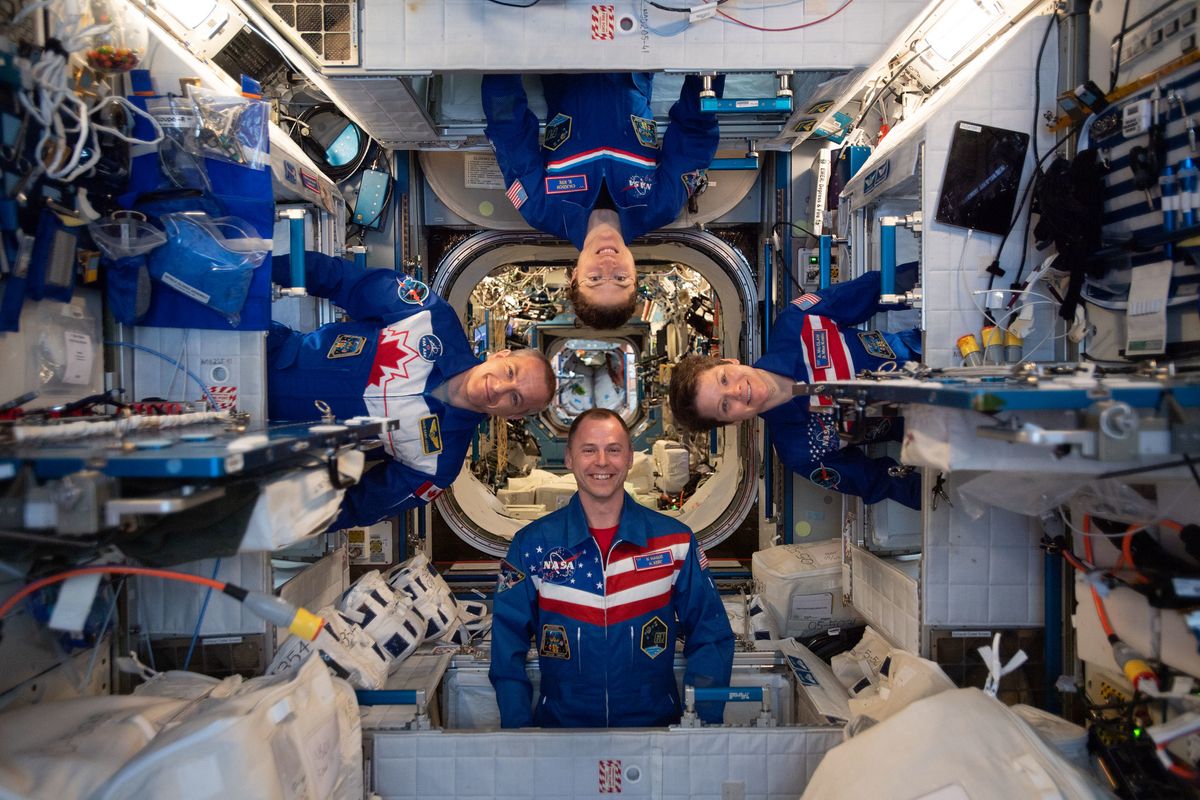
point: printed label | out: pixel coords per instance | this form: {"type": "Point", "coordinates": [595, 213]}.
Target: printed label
{"type": "Point", "coordinates": [183, 288]}
{"type": "Point", "coordinates": [482, 171]}
{"type": "Point", "coordinates": [80, 356]}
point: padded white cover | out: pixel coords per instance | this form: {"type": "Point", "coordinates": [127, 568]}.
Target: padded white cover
{"type": "Point", "coordinates": [681, 764]}
{"type": "Point", "coordinates": [909, 678]}
{"type": "Point", "coordinates": [816, 682]}
{"type": "Point", "coordinates": [956, 744]}
{"type": "Point", "coordinates": [343, 645]}
{"type": "Point", "coordinates": [297, 505]}
{"type": "Point", "coordinates": [186, 736]}
{"type": "Point", "coordinates": [802, 586]}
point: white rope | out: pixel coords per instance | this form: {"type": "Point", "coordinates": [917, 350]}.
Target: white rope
{"type": "Point", "coordinates": [23, 434]}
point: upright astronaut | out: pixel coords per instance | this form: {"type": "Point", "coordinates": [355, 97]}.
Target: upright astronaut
{"type": "Point", "coordinates": [811, 340]}
{"type": "Point", "coordinates": [603, 586]}
{"type": "Point", "coordinates": [600, 178]}
{"type": "Point", "coordinates": [404, 356]}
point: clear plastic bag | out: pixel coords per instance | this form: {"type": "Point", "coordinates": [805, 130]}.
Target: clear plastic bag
{"type": "Point", "coordinates": [231, 128]}
{"type": "Point", "coordinates": [125, 234]}
{"type": "Point", "coordinates": [211, 260]}
{"type": "Point", "coordinates": [119, 40]}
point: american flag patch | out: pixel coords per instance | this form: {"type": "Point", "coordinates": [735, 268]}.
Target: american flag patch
{"type": "Point", "coordinates": [516, 194]}
{"type": "Point", "coordinates": [806, 301]}
{"type": "Point", "coordinates": [703, 558]}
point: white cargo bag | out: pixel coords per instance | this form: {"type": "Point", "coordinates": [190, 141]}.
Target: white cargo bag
{"type": "Point", "coordinates": [952, 746]}
{"type": "Point", "coordinates": [293, 737]}
{"type": "Point", "coordinates": [343, 646]}
{"type": "Point", "coordinates": [905, 678]}
{"type": "Point", "coordinates": [298, 505]}
{"type": "Point", "coordinates": [819, 687]}
{"type": "Point", "coordinates": [385, 616]}
{"type": "Point", "coordinates": [858, 668]}
{"type": "Point", "coordinates": [801, 584]}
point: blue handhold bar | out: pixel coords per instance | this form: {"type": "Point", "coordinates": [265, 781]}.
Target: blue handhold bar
{"type": "Point", "coordinates": [887, 254]}
{"type": "Point", "coordinates": [826, 260]}
{"type": "Point", "coordinates": [748, 162]}
{"type": "Point", "coordinates": [753, 694]}
{"type": "Point", "coordinates": [727, 105]}
{"type": "Point", "coordinates": [296, 258]}
{"type": "Point", "coordinates": [386, 697]}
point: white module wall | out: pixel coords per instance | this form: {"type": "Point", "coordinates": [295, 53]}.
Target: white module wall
{"type": "Point", "coordinates": [627, 34]}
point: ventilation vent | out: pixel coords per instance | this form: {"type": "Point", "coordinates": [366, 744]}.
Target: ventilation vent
{"type": "Point", "coordinates": [327, 30]}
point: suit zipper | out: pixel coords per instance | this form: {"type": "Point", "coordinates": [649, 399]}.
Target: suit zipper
{"type": "Point", "coordinates": [604, 581]}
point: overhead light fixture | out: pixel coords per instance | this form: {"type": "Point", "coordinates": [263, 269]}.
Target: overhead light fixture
{"type": "Point", "coordinates": [959, 23]}
{"type": "Point", "coordinates": [206, 16]}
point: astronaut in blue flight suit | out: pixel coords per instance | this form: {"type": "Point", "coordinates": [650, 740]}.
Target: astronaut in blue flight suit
{"type": "Point", "coordinates": [811, 341]}
{"type": "Point", "coordinates": [603, 587]}
{"type": "Point", "coordinates": [403, 356]}
{"type": "Point", "coordinates": [600, 179]}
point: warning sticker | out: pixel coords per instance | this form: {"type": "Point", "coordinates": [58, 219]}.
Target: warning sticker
{"type": "Point", "coordinates": [481, 171]}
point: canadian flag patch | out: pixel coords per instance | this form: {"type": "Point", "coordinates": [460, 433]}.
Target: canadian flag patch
{"type": "Point", "coordinates": [427, 491]}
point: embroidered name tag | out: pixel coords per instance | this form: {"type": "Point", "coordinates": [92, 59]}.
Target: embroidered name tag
{"type": "Point", "coordinates": [821, 349]}
{"type": "Point", "coordinates": [562, 184]}
{"type": "Point", "coordinates": [662, 558]}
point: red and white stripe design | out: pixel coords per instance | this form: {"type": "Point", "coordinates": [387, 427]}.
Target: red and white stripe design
{"type": "Point", "coordinates": [225, 397]}
{"type": "Point", "coordinates": [703, 558]}
{"type": "Point", "coordinates": [622, 592]}
{"type": "Point", "coordinates": [597, 153]}
{"type": "Point", "coordinates": [610, 776]}
{"type": "Point", "coordinates": [604, 22]}
{"type": "Point", "coordinates": [806, 300]}
{"type": "Point", "coordinates": [825, 355]}
{"type": "Point", "coordinates": [516, 195]}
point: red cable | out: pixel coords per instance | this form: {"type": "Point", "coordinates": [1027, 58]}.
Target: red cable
{"type": "Point", "coordinates": [108, 569]}
{"type": "Point", "coordinates": [792, 28]}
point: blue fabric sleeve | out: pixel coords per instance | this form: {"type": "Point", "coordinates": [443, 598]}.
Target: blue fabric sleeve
{"type": "Point", "coordinates": [365, 294]}
{"type": "Point", "coordinates": [860, 475]}
{"type": "Point", "coordinates": [708, 639]}
{"type": "Point", "coordinates": [384, 491]}
{"type": "Point", "coordinates": [514, 610]}
{"type": "Point", "coordinates": [689, 144]}
{"type": "Point", "coordinates": [513, 131]}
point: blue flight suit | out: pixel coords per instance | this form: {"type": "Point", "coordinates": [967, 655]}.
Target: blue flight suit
{"type": "Point", "coordinates": [809, 343]}
{"type": "Point", "coordinates": [599, 128]}
{"type": "Point", "coordinates": [386, 363]}
{"type": "Point", "coordinates": [605, 624]}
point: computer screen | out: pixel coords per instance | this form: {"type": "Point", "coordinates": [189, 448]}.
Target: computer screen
{"type": "Point", "coordinates": [983, 174]}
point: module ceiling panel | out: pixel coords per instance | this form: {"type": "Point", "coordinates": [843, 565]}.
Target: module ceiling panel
{"type": "Point", "coordinates": [566, 35]}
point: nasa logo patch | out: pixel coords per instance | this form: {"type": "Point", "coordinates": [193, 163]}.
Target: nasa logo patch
{"type": "Point", "coordinates": [555, 643]}
{"type": "Point", "coordinates": [639, 185]}
{"type": "Point", "coordinates": [558, 566]}
{"type": "Point", "coordinates": [558, 131]}
{"type": "Point", "coordinates": [429, 347]}
{"type": "Point", "coordinates": [654, 637]}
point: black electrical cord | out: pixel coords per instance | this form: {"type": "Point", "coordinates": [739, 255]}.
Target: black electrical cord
{"type": "Point", "coordinates": [661, 7]}
{"type": "Point", "coordinates": [1034, 175]}
{"type": "Point", "coordinates": [515, 5]}
{"type": "Point", "coordinates": [899, 71]}
{"type": "Point", "coordinates": [1116, 69]}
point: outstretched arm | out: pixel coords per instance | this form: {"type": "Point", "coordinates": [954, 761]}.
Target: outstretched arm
{"type": "Point", "coordinates": [365, 294]}
{"type": "Point", "coordinates": [708, 639]}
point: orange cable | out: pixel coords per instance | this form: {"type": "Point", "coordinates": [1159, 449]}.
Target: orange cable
{"type": "Point", "coordinates": [1105, 623]}
{"type": "Point", "coordinates": [108, 569]}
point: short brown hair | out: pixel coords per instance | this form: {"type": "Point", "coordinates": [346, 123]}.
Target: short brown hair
{"type": "Point", "coordinates": [596, 413]}
{"type": "Point", "coordinates": [549, 382]}
{"type": "Point", "coordinates": [685, 383]}
{"type": "Point", "coordinates": [603, 318]}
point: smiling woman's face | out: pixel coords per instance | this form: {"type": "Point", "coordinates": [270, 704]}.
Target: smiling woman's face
{"type": "Point", "coordinates": [605, 271]}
